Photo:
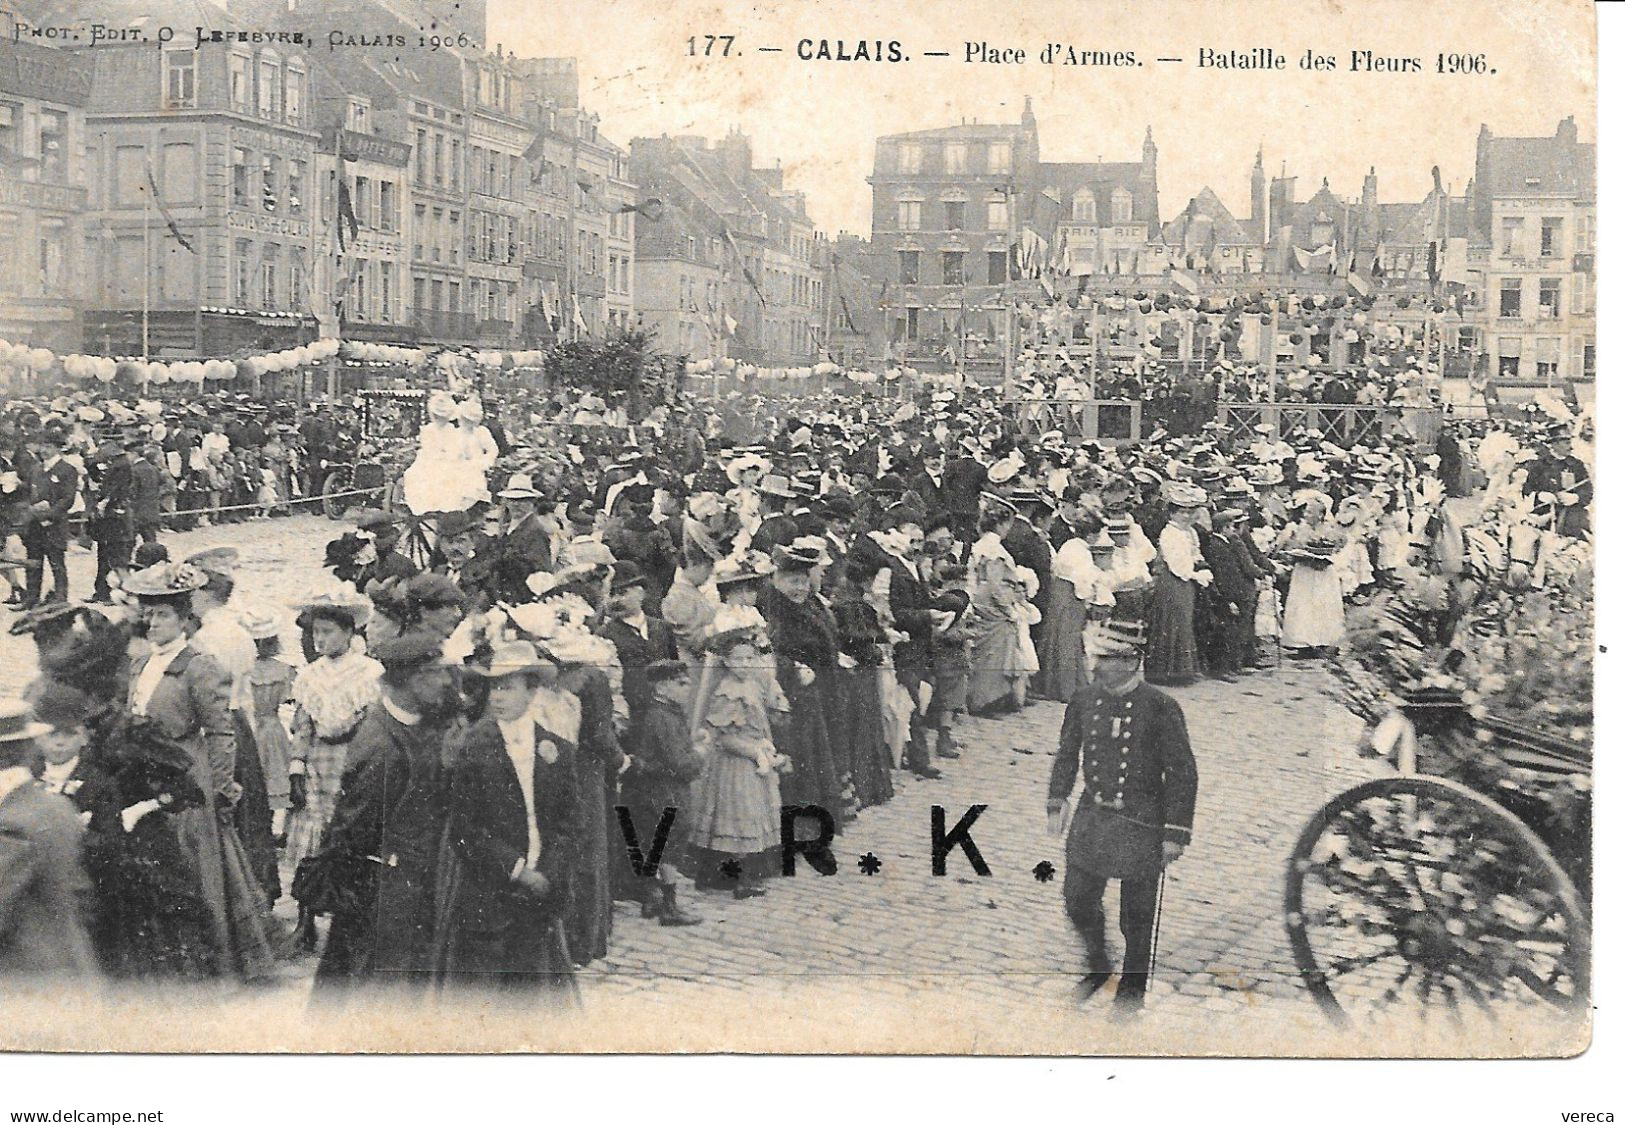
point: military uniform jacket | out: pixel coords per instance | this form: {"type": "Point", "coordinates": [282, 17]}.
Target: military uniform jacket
{"type": "Point", "coordinates": [1139, 779]}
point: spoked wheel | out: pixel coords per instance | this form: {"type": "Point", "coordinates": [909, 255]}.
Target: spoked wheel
{"type": "Point", "coordinates": [1417, 890]}
{"type": "Point", "coordinates": [334, 506]}
{"type": "Point", "coordinates": [415, 543]}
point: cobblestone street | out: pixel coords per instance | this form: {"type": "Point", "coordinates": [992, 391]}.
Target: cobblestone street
{"type": "Point", "coordinates": [1271, 749]}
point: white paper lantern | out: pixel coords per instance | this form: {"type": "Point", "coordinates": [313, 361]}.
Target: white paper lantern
{"type": "Point", "coordinates": [158, 373]}
{"type": "Point", "coordinates": [41, 358]}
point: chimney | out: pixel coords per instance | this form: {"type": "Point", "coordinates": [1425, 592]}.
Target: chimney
{"type": "Point", "coordinates": [1259, 214]}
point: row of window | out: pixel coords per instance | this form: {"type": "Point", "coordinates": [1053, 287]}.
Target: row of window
{"type": "Point", "coordinates": [40, 270]}
{"type": "Point", "coordinates": [269, 278]}
{"type": "Point", "coordinates": [486, 299]}
{"type": "Point", "coordinates": [267, 183]}
{"type": "Point", "coordinates": [688, 293]}
{"type": "Point", "coordinates": [1513, 362]}
{"type": "Point", "coordinates": [494, 173]}
{"type": "Point", "coordinates": [265, 86]}
{"type": "Point", "coordinates": [954, 158]}
{"type": "Point", "coordinates": [437, 234]}
{"type": "Point", "coordinates": [1518, 237]}
{"type": "Point", "coordinates": [41, 135]}
{"type": "Point", "coordinates": [953, 270]}
{"type": "Point", "coordinates": [1549, 298]}
{"type": "Point", "coordinates": [437, 160]}
{"type": "Point", "coordinates": [493, 238]}
{"type": "Point", "coordinates": [996, 212]}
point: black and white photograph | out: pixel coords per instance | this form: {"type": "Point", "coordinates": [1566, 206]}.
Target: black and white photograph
{"type": "Point", "coordinates": [834, 529]}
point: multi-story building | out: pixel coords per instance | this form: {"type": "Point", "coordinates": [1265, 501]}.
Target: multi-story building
{"type": "Point", "coordinates": [218, 260]}
{"type": "Point", "coordinates": [361, 278]}
{"type": "Point", "coordinates": [854, 331]}
{"type": "Point", "coordinates": [959, 211]}
{"type": "Point", "coordinates": [589, 286]}
{"type": "Point", "coordinates": [1534, 208]}
{"type": "Point", "coordinates": [498, 138]}
{"type": "Point", "coordinates": [734, 254]}
{"type": "Point", "coordinates": [42, 194]}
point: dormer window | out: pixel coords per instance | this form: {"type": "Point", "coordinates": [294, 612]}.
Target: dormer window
{"type": "Point", "coordinates": [1122, 206]}
{"type": "Point", "coordinates": [1083, 206]}
{"type": "Point", "coordinates": [359, 122]}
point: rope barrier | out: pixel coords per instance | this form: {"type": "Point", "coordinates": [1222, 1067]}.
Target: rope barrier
{"type": "Point", "coordinates": [189, 512]}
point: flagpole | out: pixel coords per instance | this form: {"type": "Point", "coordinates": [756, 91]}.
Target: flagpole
{"type": "Point", "coordinates": [146, 276]}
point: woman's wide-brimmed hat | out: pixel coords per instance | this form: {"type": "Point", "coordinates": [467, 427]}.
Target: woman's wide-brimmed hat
{"type": "Point", "coordinates": [753, 566]}
{"type": "Point", "coordinates": [507, 659]}
{"type": "Point", "coordinates": [733, 624]}
{"type": "Point", "coordinates": [804, 553]}
{"type": "Point", "coordinates": [166, 580]}
{"type": "Point", "coordinates": [342, 602]}
{"type": "Point", "coordinates": [1182, 495]}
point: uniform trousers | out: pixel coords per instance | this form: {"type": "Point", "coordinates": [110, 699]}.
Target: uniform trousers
{"type": "Point", "coordinates": [1084, 893]}
{"type": "Point", "coordinates": [42, 551]}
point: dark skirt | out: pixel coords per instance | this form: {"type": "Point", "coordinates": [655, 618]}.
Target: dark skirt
{"type": "Point", "coordinates": [806, 742]}
{"type": "Point", "coordinates": [861, 730]}
{"type": "Point", "coordinates": [592, 908]}
{"type": "Point", "coordinates": [1060, 650]}
{"type": "Point", "coordinates": [149, 917]}
{"type": "Point", "coordinates": [252, 816]}
{"type": "Point", "coordinates": [239, 919]}
{"type": "Point", "coordinates": [525, 954]}
{"type": "Point", "coordinates": [1170, 652]}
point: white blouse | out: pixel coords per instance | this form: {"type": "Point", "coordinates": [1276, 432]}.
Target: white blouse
{"type": "Point", "coordinates": [1181, 551]}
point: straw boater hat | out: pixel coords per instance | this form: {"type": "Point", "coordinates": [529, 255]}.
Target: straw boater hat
{"type": "Point", "coordinates": [775, 484]}
{"type": "Point", "coordinates": [259, 623]}
{"type": "Point", "coordinates": [732, 624]}
{"type": "Point", "coordinates": [1182, 495]}
{"type": "Point", "coordinates": [520, 487]}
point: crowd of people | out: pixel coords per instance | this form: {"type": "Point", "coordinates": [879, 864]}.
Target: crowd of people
{"type": "Point", "coordinates": [508, 686]}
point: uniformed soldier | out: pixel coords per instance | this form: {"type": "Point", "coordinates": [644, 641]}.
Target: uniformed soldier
{"type": "Point", "coordinates": [1134, 815]}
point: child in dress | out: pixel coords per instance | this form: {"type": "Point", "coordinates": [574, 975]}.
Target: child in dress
{"type": "Point", "coordinates": [737, 799]}
{"type": "Point", "coordinates": [271, 680]}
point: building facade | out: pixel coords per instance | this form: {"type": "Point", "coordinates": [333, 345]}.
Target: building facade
{"type": "Point", "coordinates": [43, 195]}
{"type": "Point", "coordinates": [217, 260]}
{"type": "Point", "coordinates": [1534, 205]}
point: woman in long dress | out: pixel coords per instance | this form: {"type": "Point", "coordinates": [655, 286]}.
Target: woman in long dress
{"type": "Point", "coordinates": [430, 483]}
{"type": "Point", "coordinates": [997, 678]}
{"type": "Point", "coordinates": [861, 725]}
{"type": "Point", "coordinates": [1079, 590]}
{"type": "Point", "coordinates": [330, 695]}
{"type": "Point", "coordinates": [1313, 623]}
{"type": "Point", "coordinates": [806, 647]}
{"type": "Point", "coordinates": [1171, 655]}
{"type": "Point", "coordinates": [188, 696]}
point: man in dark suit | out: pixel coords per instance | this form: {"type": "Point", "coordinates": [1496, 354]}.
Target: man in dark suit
{"type": "Point", "coordinates": [51, 494]}
{"type": "Point", "coordinates": [527, 544]}
{"type": "Point", "coordinates": [112, 514]}
{"type": "Point", "coordinates": [146, 492]}
{"type": "Point", "coordinates": [928, 483]}
{"type": "Point", "coordinates": [1029, 546]}
{"type": "Point", "coordinates": [1230, 599]}
{"type": "Point", "coordinates": [513, 822]}
{"type": "Point", "coordinates": [964, 479]}
{"type": "Point", "coordinates": [383, 841]}
{"type": "Point", "coordinates": [386, 536]}
{"type": "Point", "coordinates": [42, 883]}
{"type": "Point", "coordinates": [911, 610]}
{"type": "Point", "coordinates": [778, 528]}
{"type": "Point", "coordinates": [1134, 816]}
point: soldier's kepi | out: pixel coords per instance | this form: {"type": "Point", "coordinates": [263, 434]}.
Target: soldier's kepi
{"type": "Point", "coordinates": [1128, 741]}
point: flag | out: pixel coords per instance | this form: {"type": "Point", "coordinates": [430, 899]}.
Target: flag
{"type": "Point", "coordinates": [547, 309]}
{"type": "Point", "coordinates": [728, 235]}
{"type": "Point", "coordinates": [346, 214]}
{"type": "Point", "coordinates": [1186, 282]}
{"type": "Point", "coordinates": [730, 326]}
{"type": "Point", "coordinates": [169, 220]}
{"type": "Point", "coordinates": [1360, 285]}
{"type": "Point", "coordinates": [576, 317]}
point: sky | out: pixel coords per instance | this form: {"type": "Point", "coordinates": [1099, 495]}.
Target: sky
{"type": "Point", "coordinates": [820, 119]}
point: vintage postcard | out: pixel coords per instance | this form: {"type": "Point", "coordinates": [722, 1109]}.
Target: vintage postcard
{"type": "Point", "coordinates": [827, 527]}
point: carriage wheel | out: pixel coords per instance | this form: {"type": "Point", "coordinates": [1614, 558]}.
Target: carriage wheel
{"type": "Point", "coordinates": [1409, 889]}
{"type": "Point", "coordinates": [333, 506]}
{"type": "Point", "coordinates": [415, 544]}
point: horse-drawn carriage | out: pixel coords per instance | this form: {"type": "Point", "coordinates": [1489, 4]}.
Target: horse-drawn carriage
{"type": "Point", "coordinates": [368, 473]}
{"type": "Point", "coordinates": [1463, 880]}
